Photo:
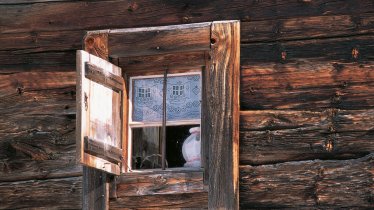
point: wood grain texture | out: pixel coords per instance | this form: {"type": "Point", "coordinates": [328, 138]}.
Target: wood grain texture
{"type": "Point", "coordinates": [37, 126]}
{"type": "Point", "coordinates": [42, 194]}
{"type": "Point", "coordinates": [308, 184]}
{"type": "Point", "coordinates": [43, 37]}
{"type": "Point", "coordinates": [221, 114]}
{"type": "Point", "coordinates": [96, 44]}
{"type": "Point", "coordinates": [329, 49]}
{"type": "Point", "coordinates": [63, 15]}
{"type": "Point", "coordinates": [268, 137]}
{"type": "Point", "coordinates": [307, 85]}
{"type": "Point", "coordinates": [324, 26]}
{"type": "Point", "coordinates": [158, 40]}
{"type": "Point", "coordinates": [168, 201]}
{"type": "Point", "coordinates": [163, 183]}
{"type": "Point", "coordinates": [175, 62]}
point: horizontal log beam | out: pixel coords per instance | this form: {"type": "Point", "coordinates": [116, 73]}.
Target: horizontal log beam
{"type": "Point", "coordinates": [307, 85]}
{"type": "Point", "coordinates": [168, 201]}
{"type": "Point", "coordinates": [158, 40]}
{"type": "Point", "coordinates": [324, 26]}
{"type": "Point", "coordinates": [308, 184]}
{"type": "Point", "coordinates": [146, 12]}
{"type": "Point", "coordinates": [51, 194]}
{"type": "Point", "coordinates": [277, 136]}
{"type": "Point", "coordinates": [156, 64]}
{"type": "Point", "coordinates": [330, 49]}
{"type": "Point", "coordinates": [138, 184]}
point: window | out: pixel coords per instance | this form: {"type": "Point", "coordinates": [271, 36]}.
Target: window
{"type": "Point", "coordinates": [183, 113]}
{"type": "Point", "coordinates": [102, 139]}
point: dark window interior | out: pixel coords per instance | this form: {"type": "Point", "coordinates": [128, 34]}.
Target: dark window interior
{"type": "Point", "coordinates": [146, 144]}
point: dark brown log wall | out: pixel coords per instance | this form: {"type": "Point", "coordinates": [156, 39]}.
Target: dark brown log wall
{"type": "Point", "coordinates": [307, 98]}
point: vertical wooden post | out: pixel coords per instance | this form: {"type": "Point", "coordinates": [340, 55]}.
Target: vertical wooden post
{"type": "Point", "coordinates": [95, 182]}
{"type": "Point", "coordinates": [222, 115]}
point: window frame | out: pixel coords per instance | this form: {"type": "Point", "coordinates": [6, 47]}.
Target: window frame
{"type": "Point", "coordinates": [220, 102]}
{"type": "Point", "coordinates": [133, 124]}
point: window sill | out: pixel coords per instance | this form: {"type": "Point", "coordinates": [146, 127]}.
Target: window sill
{"type": "Point", "coordinates": [160, 171]}
{"type": "Point", "coordinates": [161, 182]}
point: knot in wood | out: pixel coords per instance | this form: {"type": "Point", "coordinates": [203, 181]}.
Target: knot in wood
{"type": "Point", "coordinates": [159, 180]}
{"type": "Point", "coordinates": [355, 53]}
{"type": "Point", "coordinates": [284, 55]}
{"type": "Point", "coordinates": [329, 145]}
{"type": "Point", "coordinates": [20, 90]}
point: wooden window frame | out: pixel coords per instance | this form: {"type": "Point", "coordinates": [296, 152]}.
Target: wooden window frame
{"type": "Point", "coordinates": [220, 96]}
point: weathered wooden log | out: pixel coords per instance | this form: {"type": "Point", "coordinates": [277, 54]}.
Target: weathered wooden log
{"type": "Point", "coordinates": [56, 59]}
{"type": "Point", "coordinates": [307, 27]}
{"type": "Point", "coordinates": [167, 201]}
{"type": "Point", "coordinates": [308, 184]}
{"type": "Point", "coordinates": [35, 147]}
{"type": "Point", "coordinates": [50, 193]}
{"type": "Point", "coordinates": [62, 15]}
{"type": "Point", "coordinates": [279, 136]}
{"type": "Point", "coordinates": [307, 85]}
{"type": "Point", "coordinates": [37, 127]}
{"type": "Point", "coordinates": [163, 183]}
{"type": "Point", "coordinates": [156, 64]}
{"type": "Point", "coordinates": [159, 40]}
{"type": "Point", "coordinates": [331, 49]}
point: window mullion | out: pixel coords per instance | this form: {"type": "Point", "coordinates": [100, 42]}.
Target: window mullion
{"type": "Point", "coordinates": [163, 143]}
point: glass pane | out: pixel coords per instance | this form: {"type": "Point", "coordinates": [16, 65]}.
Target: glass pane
{"type": "Point", "coordinates": [146, 148]}
{"type": "Point", "coordinates": [183, 147]}
{"type": "Point", "coordinates": [176, 143]}
{"type": "Point", "coordinates": [183, 98]}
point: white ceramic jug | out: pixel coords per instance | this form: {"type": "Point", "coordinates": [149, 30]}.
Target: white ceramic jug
{"type": "Point", "coordinates": [191, 149]}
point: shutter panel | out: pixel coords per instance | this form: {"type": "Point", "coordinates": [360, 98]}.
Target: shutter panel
{"type": "Point", "coordinates": [100, 89]}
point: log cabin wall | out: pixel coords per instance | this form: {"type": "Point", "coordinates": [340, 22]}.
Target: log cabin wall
{"type": "Point", "coordinates": [307, 99]}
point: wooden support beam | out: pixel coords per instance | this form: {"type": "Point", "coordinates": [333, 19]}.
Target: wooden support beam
{"type": "Point", "coordinates": [159, 40]}
{"type": "Point", "coordinates": [222, 114]}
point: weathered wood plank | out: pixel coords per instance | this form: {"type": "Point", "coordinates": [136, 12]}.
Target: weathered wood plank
{"type": "Point", "coordinates": [137, 184]}
{"type": "Point", "coordinates": [102, 150]}
{"type": "Point", "coordinates": [37, 125]}
{"type": "Point", "coordinates": [168, 201]}
{"type": "Point", "coordinates": [159, 40]}
{"type": "Point", "coordinates": [60, 101]}
{"type": "Point", "coordinates": [307, 85]}
{"type": "Point", "coordinates": [157, 63]}
{"type": "Point", "coordinates": [37, 61]}
{"type": "Point", "coordinates": [102, 77]}
{"type": "Point", "coordinates": [35, 42]}
{"type": "Point", "coordinates": [50, 194]}
{"type": "Point", "coordinates": [37, 146]}
{"type": "Point", "coordinates": [62, 15]}
{"type": "Point", "coordinates": [92, 100]}
{"type": "Point", "coordinates": [221, 114]}
{"type": "Point", "coordinates": [34, 81]}
{"type": "Point", "coordinates": [308, 184]}
{"type": "Point", "coordinates": [331, 49]}
{"type": "Point", "coordinates": [279, 136]}
{"type": "Point", "coordinates": [307, 27]}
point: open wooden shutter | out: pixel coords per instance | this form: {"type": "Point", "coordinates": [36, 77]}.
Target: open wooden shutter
{"type": "Point", "coordinates": [100, 89]}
